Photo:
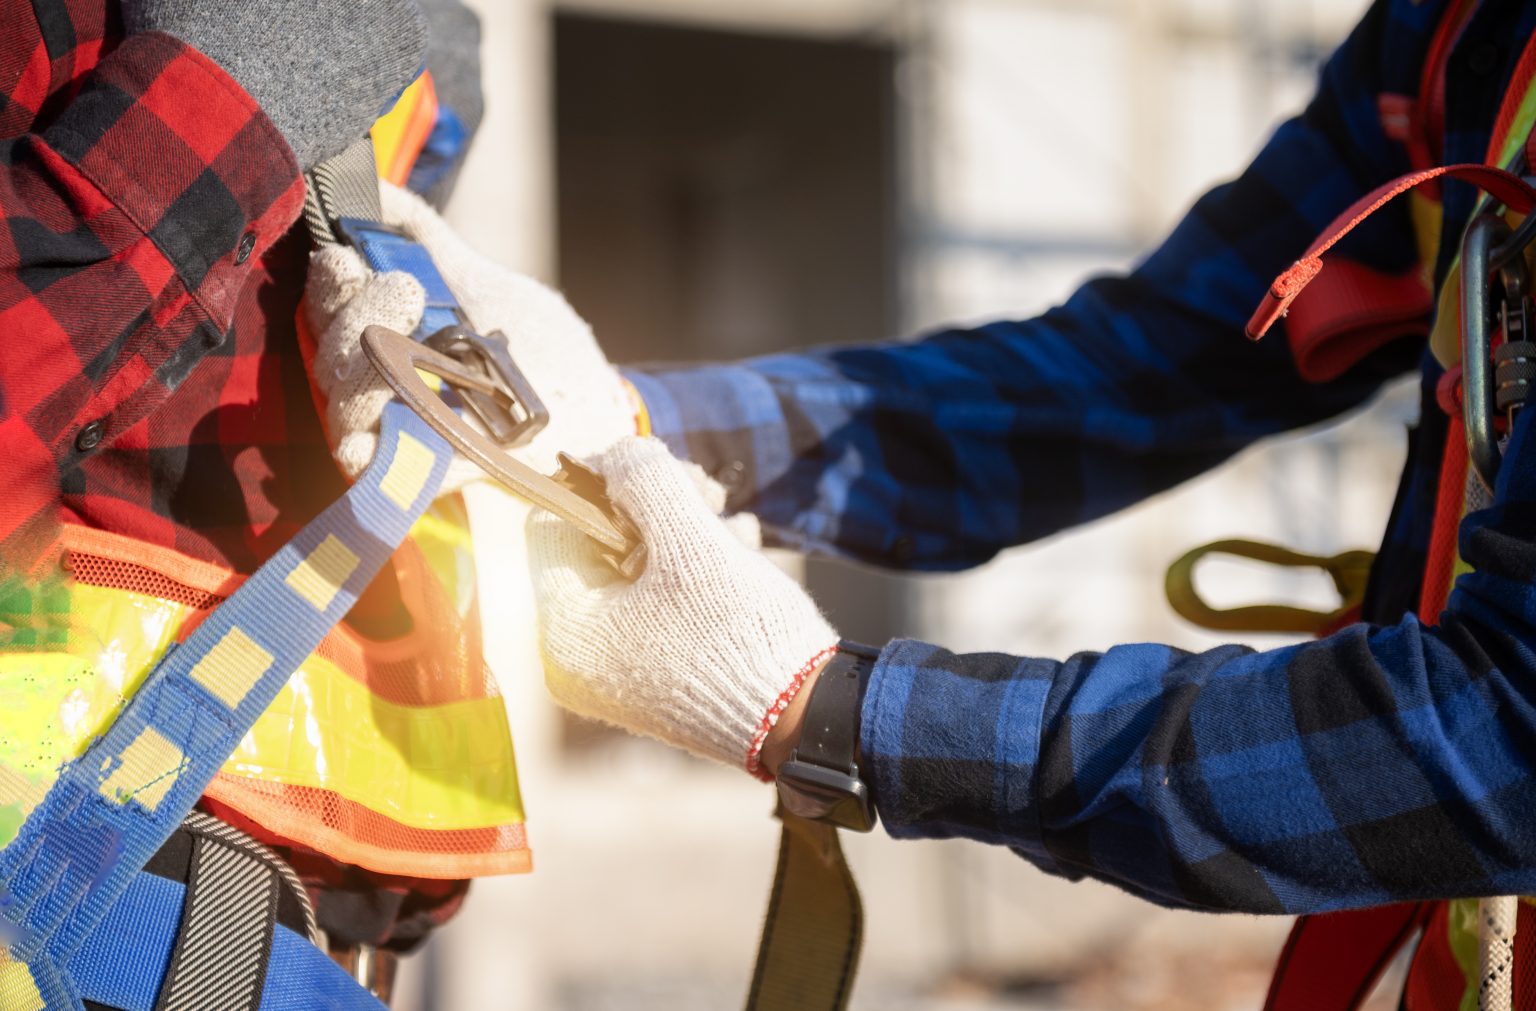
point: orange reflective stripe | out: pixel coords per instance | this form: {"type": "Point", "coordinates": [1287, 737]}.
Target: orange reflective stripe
{"type": "Point", "coordinates": [350, 832]}
{"type": "Point", "coordinates": [400, 134]}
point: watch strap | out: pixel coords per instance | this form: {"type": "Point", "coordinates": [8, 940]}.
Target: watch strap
{"type": "Point", "coordinates": [829, 735]}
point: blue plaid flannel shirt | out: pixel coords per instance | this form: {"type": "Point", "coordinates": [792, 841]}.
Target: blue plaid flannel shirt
{"type": "Point", "coordinates": [1390, 761]}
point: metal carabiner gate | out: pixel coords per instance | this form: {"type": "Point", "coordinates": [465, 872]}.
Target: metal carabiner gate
{"type": "Point", "coordinates": [1494, 381]}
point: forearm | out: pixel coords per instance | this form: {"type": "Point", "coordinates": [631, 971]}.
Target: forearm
{"type": "Point", "coordinates": [938, 453]}
{"type": "Point", "coordinates": [1380, 764]}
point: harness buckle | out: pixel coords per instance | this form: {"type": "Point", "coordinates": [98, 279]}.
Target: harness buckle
{"type": "Point", "coordinates": [511, 411]}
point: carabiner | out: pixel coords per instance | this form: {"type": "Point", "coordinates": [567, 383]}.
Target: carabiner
{"type": "Point", "coordinates": [1486, 231]}
{"type": "Point", "coordinates": [1494, 381]}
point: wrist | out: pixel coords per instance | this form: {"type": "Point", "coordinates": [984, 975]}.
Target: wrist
{"type": "Point", "coordinates": [779, 731]}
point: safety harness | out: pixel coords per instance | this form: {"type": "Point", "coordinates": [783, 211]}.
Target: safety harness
{"type": "Point", "coordinates": [1482, 334]}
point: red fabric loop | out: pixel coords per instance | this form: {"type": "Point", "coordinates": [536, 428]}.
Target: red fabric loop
{"type": "Point", "coordinates": [1448, 392]}
{"type": "Point", "coordinates": [1350, 312]}
{"type": "Point", "coordinates": [1506, 187]}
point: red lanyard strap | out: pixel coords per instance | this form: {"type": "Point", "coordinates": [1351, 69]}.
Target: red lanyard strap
{"type": "Point", "coordinates": [1505, 187]}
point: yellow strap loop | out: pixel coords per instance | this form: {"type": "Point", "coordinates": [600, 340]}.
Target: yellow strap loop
{"type": "Point", "coordinates": [1348, 569]}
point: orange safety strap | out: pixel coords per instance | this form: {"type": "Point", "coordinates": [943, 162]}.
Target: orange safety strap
{"type": "Point", "coordinates": [1353, 309]}
{"type": "Point", "coordinates": [1440, 563]}
{"type": "Point", "coordinates": [1425, 149]}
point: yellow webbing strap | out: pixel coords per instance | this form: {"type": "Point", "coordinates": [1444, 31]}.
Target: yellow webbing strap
{"type": "Point", "coordinates": [814, 927]}
{"type": "Point", "coordinates": [1349, 570]}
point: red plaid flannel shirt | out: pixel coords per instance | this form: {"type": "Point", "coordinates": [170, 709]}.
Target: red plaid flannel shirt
{"type": "Point", "coordinates": [151, 384]}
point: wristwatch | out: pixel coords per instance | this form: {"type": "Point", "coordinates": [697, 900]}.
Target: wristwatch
{"type": "Point", "coordinates": [820, 781]}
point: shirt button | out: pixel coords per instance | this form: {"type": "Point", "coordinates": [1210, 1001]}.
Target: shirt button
{"type": "Point", "coordinates": [731, 474]}
{"type": "Point", "coordinates": [247, 243]}
{"type": "Point", "coordinates": [89, 437]}
{"type": "Point", "coordinates": [1484, 59]}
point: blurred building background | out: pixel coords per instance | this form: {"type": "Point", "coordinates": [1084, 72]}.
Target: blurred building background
{"type": "Point", "coordinates": [715, 178]}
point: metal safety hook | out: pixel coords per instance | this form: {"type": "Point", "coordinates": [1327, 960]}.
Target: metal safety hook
{"type": "Point", "coordinates": [575, 492]}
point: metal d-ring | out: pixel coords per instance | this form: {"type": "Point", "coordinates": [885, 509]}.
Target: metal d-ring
{"type": "Point", "coordinates": [574, 493]}
{"type": "Point", "coordinates": [1485, 232]}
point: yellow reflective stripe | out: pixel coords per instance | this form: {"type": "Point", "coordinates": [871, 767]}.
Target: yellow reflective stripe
{"type": "Point", "coordinates": [321, 575]}
{"type": "Point", "coordinates": [408, 471]}
{"type": "Point", "coordinates": [442, 536]}
{"type": "Point", "coordinates": [18, 990]}
{"type": "Point", "coordinates": [432, 767]}
{"type": "Point", "coordinates": [146, 771]}
{"type": "Point", "coordinates": [231, 669]}
{"type": "Point", "coordinates": [1461, 936]}
{"type": "Point", "coordinates": [55, 700]}
{"type": "Point", "coordinates": [1520, 126]}
{"type": "Point", "coordinates": [1445, 340]}
{"type": "Point", "coordinates": [331, 736]}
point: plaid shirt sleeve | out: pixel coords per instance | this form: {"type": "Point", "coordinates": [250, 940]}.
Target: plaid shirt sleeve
{"type": "Point", "coordinates": [136, 189]}
{"type": "Point", "coordinates": [1381, 764]}
{"type": "Point", "coordinates": [938, 453]}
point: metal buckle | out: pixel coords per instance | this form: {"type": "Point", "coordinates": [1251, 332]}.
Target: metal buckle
{"type": "Point", "coordinates": [513, 413]}
{"type": "Point", "coordinates": [1491, 255]}
{"type": "Point", "coordinates": [575, 492]}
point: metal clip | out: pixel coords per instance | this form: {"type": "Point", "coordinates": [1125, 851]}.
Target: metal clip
{"type": "Point", "coordinates": [1515, 359]}
{"type": "Point", "coordinates": [513, 413]}
{"type": "Point", "coordinates": [575, 492]}
{"type": "Point", "coordinates": [1492, 381]}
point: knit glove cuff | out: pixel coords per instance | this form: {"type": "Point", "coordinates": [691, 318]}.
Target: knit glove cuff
{"type": "Point", "coordinates": [704, 649]}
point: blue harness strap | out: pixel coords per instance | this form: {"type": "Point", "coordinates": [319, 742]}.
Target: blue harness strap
{"type": "Point", "coordinates": [122, 962]}
{"type": "Point", "coordinates": [385, 249]}
{"type": "Point", "coordinates": [81, 850]}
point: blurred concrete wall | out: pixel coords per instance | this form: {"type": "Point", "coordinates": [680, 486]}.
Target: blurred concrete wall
{"type": "Point", "coordinates": [1044, 140]}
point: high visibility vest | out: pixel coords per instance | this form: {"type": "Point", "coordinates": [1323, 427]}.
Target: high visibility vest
{"type": "Point", "coordinates": [394, 756]}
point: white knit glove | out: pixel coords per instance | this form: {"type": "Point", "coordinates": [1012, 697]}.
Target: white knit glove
{"type": "Point", "coordinates": [589, 406]}
{"type": "Point", "coordinates": [704, 649]}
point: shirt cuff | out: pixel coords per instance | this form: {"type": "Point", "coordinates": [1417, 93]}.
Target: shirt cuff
{"type": "Point", "coordinates": [177, 146]}
{"type": "Point", "coordinates": [726, 418]}
{"type": "Point", "coordinates": [951, 742]}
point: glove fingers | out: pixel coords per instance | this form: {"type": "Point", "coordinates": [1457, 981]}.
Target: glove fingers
{"type": "Point", "coordinates": [746, 529]}
{"type": "Point", "coordinates": [353, 419]}
{"type": "Point", "coordinates": [563, 560]}
{"type": "Point", "coordinates": [710, 490]}
{"type": "Point", "coordinates": [395, 300]}
{"type": "Point", "coordinates": [336, 275]}
{"type": "Point", "coordinates": [656, 491]}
